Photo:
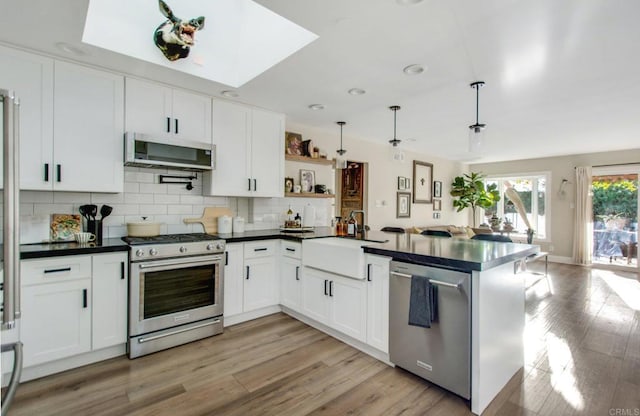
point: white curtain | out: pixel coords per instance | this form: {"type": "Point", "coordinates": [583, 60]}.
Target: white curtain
{"type": "Point", "coordinates": [583, 227]}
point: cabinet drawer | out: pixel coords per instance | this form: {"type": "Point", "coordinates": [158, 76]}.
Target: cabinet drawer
{"type": "Point", "coordinates": [291, 249]}
{"type": "Point", "coordinates": [53, 270]}
{"type": "Point", "coordinates": [260, 249]}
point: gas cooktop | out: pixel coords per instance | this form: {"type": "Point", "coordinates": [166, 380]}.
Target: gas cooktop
{"type": "Point", "coordinates": [170, 238]}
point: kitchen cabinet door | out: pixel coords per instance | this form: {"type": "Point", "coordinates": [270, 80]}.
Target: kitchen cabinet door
{"type": "Point", "coordinates": [233, 279]}
{"type": "Point", "coordinates": [315, 291]}
{"type": "Point", "coordinates": [290, 283]}
{"type": "Point", "coordinates": [378, 302]}
{"type": "Point", "coordinates": [191, 116]}
{"type": "Point", "coordinates": [148, 109]}
{"type": "Point", "coordinates": [231, 176]}
{"type": "Point", "coordinates": [88, 129]}
{"type": "Point", "coordinates": [109, 301]}
{"type": "Point", "coordinates": [30, 77]}
{"type": "Point", "coordinates": [260, 283]}
{"type": "Point", "coordinates": [56, 320]}
{"type": "Point", "coordinates": [348, 308]}
{"type": "Point", "coordinates": [267, 153]}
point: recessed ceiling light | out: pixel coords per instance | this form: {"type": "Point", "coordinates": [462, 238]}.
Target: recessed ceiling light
{"type": "Point", "coordinates": [408, 2]}
{"type": "Point", "coordinates": [316, 107]}
{"type": "Point", "coordinates": [356, 91]}
{"type": "Point", "coordinates": [230, 94]}
{"type": "Point", "coordinates": [68, 48]}
{"type": "Point", "coordinates": [414, 69]}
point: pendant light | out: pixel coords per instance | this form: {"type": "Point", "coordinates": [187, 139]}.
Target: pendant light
{"type": "Point", "coordinates": [476, 130]}
{"type": "Point", "coordinates": [340, 162]}
{"type": "Point", "coordinates": [397, 155]}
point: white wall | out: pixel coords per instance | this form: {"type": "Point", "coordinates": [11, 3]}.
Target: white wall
{"type": "Point", "coordinates": [383, 177]}
{"type": "Point", "coordinates": [561, 208]}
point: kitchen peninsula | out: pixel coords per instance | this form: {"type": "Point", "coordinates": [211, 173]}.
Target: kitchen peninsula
{"type": "Point", "coordinates": [495, 302]}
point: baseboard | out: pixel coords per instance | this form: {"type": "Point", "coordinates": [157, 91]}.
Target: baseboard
{"type": "Point", "coordinates": [367, 349]}
{"type": "Point", "coordinates": [560, 259]}
{"type": "Point", "coordinates": [248, 316]}
{"type": "Point", "coordinates": [46, 369]}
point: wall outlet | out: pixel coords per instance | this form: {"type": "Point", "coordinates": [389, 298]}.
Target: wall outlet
{"type": "Point", "coordinates": [436, 215]}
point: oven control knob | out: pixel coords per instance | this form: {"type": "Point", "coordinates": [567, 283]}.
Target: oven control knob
{"type": "Point", "coordinates": [139, 252]}
{"type": "Point", "coordinates": [153, 251]}
{"type": "Point", "coordinates": [220, 246]}
{"type": "Point", "coordinates": [183, 249]}
{"type": "Point", "coordinates": [209, 247]}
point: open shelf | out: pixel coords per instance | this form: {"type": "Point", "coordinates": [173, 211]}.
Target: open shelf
{"type": "Point", "coordinates": [305, 159]}
{"type": "Point", "coordinates": [307, 195]}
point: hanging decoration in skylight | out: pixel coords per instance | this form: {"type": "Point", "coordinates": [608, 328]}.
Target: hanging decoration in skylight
{"type": "Point", "coordinates": [176, 36]}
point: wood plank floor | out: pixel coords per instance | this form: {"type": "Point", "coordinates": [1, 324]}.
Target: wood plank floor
{"type": "Point", "coordinates": [582, 358]}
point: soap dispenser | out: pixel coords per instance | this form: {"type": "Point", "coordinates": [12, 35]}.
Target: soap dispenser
{"type": "Point", "coordinates": [352, 226]}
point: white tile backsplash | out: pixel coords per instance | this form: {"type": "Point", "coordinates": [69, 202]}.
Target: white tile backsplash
{"type": "Point", "coordinates": [169, 204]}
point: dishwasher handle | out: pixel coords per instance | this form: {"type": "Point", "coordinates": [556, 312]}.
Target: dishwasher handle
{"type": "Point", "coordinates": [432, 281]}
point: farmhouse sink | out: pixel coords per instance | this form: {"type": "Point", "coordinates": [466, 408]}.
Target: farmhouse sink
{"type": "Point", "coordinates": [335, 255]}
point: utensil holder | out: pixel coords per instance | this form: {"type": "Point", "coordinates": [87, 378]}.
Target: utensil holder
{"type": "Point", "coordinates": [95, 227]}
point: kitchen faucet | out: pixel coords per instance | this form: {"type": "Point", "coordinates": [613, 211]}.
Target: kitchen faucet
{"type": "Point", "coordinates": [359, 228]}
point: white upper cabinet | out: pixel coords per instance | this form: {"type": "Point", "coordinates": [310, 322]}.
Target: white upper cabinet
{"type": "Point", "coordinates": [88, 130]}
{"type": "Point", "coordinates": [30, 77]}
{"type": "Point", "coordinates": [249, 152]}
{"type": "Point", "coordinates": [164, 112]}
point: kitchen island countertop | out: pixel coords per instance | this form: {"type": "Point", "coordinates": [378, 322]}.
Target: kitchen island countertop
{"type": "Point", "coordinates": [35, 251]}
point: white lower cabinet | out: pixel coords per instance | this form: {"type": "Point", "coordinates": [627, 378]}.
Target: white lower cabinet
{"type": "Point", "coordinates": [336, 301]}
{"type": "Point", "coordinates": [250, 277]}
{"type": "Point", "coordinates": [72, 305]}
{"type": "Point", "coordinates": [56, 320]}
{"type": "Point", "coordinates": [291, 276]}
{"type": "Point", "coordinates": [109, 300]}
{"type": "Point", "coordinates": [378, 301]}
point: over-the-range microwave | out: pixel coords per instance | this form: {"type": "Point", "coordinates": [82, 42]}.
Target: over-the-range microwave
{"type": "Point", "coordinates": [146, 151]}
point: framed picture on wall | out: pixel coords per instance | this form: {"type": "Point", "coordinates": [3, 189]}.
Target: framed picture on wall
{"type": "Point", "coordinates": [437, 189]}
{"type": "Point", "coordinates": [293, 143]}
{"type": "Point", "coordinates": [407, 183]}
{"type": "Point", "coordinates": [401, 183]}
{"type": "Point", "coordinates": [422, 182]}
{"type": "Point", "coordinates": [288, 185]}
{"type": "Point", "coordinates": [403, 205]}
{"type": "Point", "coordinates": [307, 180]}
{"type": "Point", "coordinates": [437, 205]}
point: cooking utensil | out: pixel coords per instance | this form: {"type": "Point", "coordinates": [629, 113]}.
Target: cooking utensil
{"type": "Point", "coordinates": [84, 211]}
{"type": "Point", "coordinates": [209, 219]}
{"type": "Point", "coordinates": [143, 228]}
{"type": "Point", "coordinates": [105, 211]}
{"type": "Point", "coordinates": [92, 211]}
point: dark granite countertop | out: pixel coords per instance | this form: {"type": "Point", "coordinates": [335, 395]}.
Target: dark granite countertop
{"type": "Point", "coordinates": [453, 253]}
{"type": "Point", "coordinates": [318, 232]}
{"type": "Point", "coordinates": [34, 251]}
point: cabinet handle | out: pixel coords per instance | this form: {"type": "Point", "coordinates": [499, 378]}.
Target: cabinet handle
{"type": "Point", "coordinates": [168, 124]}
{"type": "Point", "coordinates": [176, 126]}
{"type": "Point", "coordinates": [122, 270]}
{"type": "Point", "coordinates": [59, 172]}
{"type": "Point", "coordinates": [331, 288]}
{"type": "Point", "coordinates": [249, 181]}
{"type": "Point", "coordinates": [248, 272]}
{"type": "Point", "coordinates": [369, 272]}
{"type": "Point", "coordinates": [84, 298]}
{"type": "Point", "coordinates": [46, 172]}
{"type": "Point", "coordinates": [325, 287]}
{"type": "Point", "coordinates": [255, 184]}
{"type": "Point", "coordinates": [297, 272]}
{"type": "Point", "coordinates": [290, 249]}
{"type": "Point", "coordinates": [260, 249]}
{"type": "Point", "coordinates": [226, 258]}
{"type": "Point", "coordinates": [65, 269]}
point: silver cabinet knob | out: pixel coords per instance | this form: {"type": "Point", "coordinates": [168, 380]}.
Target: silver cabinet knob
{"type": "Point", "coordinates": [153, 251]}
{"type": "Point", "coordinates": [183, 249]}
{"type": "Point", "coordinates": [139, 252]}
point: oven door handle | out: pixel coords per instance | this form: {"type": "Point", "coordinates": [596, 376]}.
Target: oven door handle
{"type": "Point", "coordinates": [169, 264]}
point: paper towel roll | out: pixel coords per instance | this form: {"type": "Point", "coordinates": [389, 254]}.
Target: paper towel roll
{"type": "Point", "coordinates": [309, 216]}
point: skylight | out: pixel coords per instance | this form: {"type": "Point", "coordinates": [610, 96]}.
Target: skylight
{"type": "Point", "coordinates": [238, 41]}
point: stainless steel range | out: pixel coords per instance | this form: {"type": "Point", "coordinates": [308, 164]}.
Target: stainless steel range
{"type": "Point", "coordinates": [175, 290]}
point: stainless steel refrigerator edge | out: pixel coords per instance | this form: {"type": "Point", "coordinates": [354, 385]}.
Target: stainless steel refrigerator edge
{"type": "Point", "coordinates": [11, 236]}
{"type": "Point", "coordinates": [442, 353]}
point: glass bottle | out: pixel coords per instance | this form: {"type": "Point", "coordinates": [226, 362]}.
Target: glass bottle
{"type": "Point", "coordinates": [352, 226]}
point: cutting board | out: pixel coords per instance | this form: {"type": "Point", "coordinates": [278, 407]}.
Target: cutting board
{"type": "Point", "coordinates": [209, 219]}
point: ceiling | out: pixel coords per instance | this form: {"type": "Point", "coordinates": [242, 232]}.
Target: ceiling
{"type": "Point", "coordinates": [562, 76]}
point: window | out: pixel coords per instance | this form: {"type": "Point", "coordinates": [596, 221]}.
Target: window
{"type": "Point", "coordinates": [532, 190]}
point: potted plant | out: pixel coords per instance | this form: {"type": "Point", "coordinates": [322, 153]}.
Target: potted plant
{"type": "Point", "coordinates": [469, 190]}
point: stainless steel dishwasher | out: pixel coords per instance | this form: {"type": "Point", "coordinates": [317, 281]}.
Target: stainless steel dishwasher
{"type": "Point", "coordinates": [442, 353]}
